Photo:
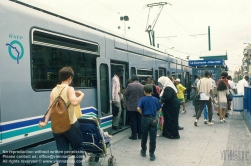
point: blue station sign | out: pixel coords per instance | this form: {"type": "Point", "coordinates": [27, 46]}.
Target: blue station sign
{"type": "Point", "coordinates": [205, 62]}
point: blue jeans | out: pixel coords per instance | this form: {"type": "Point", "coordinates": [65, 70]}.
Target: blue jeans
{"type": "Point", "coordinates": [73, 137]}
{"type": "Point", "coordinates": [149, 124]}
{"type": "Point", "coordinates": [209, 106]}
{"type": "Point", "coordinates": [135, 123]}
{"type": "Point", "coordinates": [205, 111]}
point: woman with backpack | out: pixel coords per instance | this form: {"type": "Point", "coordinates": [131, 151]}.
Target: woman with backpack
{"type": "Point", "coordinates": [222, 93]}
{"type": "Point", "coordinates": [65, 131]}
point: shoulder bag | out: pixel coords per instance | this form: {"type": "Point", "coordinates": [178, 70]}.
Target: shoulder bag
{"type": "Point", "coordinates": [197, 101]}
{"type": "Point", "coordinates": [217, 104]}
{"type": "Point", "coordinates": [230, 96]}
{"type": "Point", "coordinates": [60, 121]}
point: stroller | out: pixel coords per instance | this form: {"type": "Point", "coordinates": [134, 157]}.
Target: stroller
{"type": "Point", "coordinates": [94, 143]}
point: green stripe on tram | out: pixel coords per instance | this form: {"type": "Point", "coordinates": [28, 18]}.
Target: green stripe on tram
{"type": "Point", "coordinates": [88, 115]}
{"type": "Point", "coordinates": [28, 130]}
{"type": "Point", "coordinates": [108, 123]}
{"type": "Point", "coordinates": [23, 131]}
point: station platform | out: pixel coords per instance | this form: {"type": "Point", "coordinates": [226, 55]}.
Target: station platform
{"type": "Point", "coordinates": [223, 144]}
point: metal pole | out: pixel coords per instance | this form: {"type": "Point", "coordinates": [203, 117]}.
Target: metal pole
{"type": "Point", "coordinates": [153, 36]}
{"type": "Point", "coordinates": [149, 33]}
{"type": "Point", "coordinates": [125, 27]}
{"type": "Point", "coordinates": [209, 40]}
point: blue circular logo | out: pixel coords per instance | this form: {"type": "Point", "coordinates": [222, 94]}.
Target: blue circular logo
{"type": "Point", "coordinates": [19, 51]}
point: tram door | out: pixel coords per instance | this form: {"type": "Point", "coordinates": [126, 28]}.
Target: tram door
{"type": "Point", "coordinates": [123, 80]}
{"type": "Point", "coordinates": [186, 84]}
{"type": "Point", "coordinates": [103, 87]}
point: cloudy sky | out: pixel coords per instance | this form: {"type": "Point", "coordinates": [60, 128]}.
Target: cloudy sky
{"type": "Point", "coordinates": [182, 27]}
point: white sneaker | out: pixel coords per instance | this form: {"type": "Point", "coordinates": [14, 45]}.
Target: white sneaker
{"type": "Point", "coordinates": [221, 121]}
{"type": "Point", "coordinates": [205, 121]}
{"type": "Point", "coordinates": [224, 120]}
{"type": "Point", "coordinates": [210, 123]}
{"type": "Point", "coordinates": [158, 133]}
{"type": "Point", "coordinates": [182, 112]}
{"type": "Point", "coordinates": [212, 119]}
{"type": "Point", "coordinates": [195, 122]}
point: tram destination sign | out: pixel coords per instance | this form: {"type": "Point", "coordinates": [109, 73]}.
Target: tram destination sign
{"type": "Point", "coordinates": [205, 62]}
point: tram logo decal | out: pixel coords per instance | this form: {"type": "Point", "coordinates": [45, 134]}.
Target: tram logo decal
{"type": "Point", "coordinates": [16, 50]}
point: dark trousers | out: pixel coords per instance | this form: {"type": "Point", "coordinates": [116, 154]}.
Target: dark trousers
{"type": "Point", "coordinates": [135, 122]}
{"type": "Point", "coordinates": [149, 124]}
{"type": "Point", "coordinates": [228, 105]}
{"type": "Point", "coordinates": [209, 107]}
{"type": "Point", "coordinates": [73, 137]}
{"type": "Point", "coordinates": [188, 94]}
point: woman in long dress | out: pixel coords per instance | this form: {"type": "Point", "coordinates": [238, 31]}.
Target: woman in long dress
{"type": "Point", "coordinates": [170, 108]}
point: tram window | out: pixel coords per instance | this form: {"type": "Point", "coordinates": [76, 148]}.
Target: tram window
{"type": "Point", "coordinates": [54, 40]}
{"type": "Point", "coordinates": [168, 73]}
{"type": "Point", "coordinates": [47, 60]}
{"type": "Point", "coordinates": [133, 71]}
{"type": "Point", "coordinates": [143, 73]}
{"type": "Point", "coordinates": [104, 89]}
{"type": "Point", "coordinates": [162, 72]}
{"type": "Point", "coordinates": [173, 74]}
{"type": "Point", "coordinates": [179, 75]}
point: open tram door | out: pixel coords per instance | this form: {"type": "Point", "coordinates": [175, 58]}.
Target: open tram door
{"type": "Point", "coordinates": [115, 65]}
{"type": "Point", "coordinates": [187, 85]}
{"type": "Point", "coordinates": [104, 92]}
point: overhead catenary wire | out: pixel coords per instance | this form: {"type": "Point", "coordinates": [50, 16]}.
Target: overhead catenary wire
{"type": "Point", "coordinates": [107, 7]}
{"type": "Point", "coordinates": [136, 22]}
{"type": "Point", "coordinates": [183, 28]}
{"type": "Point", "coordinates": [179, 51]}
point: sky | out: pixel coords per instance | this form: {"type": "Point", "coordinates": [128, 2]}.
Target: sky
{"type": "Point", "coordinates": [182, 26]}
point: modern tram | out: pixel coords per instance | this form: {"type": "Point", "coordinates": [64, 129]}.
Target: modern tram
{"type": "Point", "coordinates": [36, 43]}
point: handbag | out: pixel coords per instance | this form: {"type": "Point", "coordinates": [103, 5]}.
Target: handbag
{"type": "Point", "coordinates": [78, 112]}
{"type": "Point", "coordinates": [197, 99]}
{"type": "Point", "coordinates": [217, 104]}
{"type": "Point", "coordinates": [230, 96]}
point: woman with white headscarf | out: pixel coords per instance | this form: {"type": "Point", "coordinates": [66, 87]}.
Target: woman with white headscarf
{"type": "Point", "coordinates": [170, 108]}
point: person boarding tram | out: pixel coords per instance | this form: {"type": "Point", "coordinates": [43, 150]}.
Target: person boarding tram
{"type": "Point", "coordinates": [116, 98]}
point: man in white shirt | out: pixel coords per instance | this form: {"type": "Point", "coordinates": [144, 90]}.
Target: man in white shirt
{"type": "Point", "coordinates": [212, 80]}
{"type": "Point", "coordinates": [204, 88]}
{"type": "Point", "coordinates": [231, 83]}
{"type": "Point", "coordinates": [205, 108]}
{"type": "Point", "coordinates": [241, 84]}
{"type": "Point", "coordinates": [116, 98]}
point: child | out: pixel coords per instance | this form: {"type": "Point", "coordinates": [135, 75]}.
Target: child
{"type": "Point", "coordinates": [148, 107]}
{"type": "Point", "coordinates": [180, 94]}
{"type": "Point", "coordinates": [106, 135]}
